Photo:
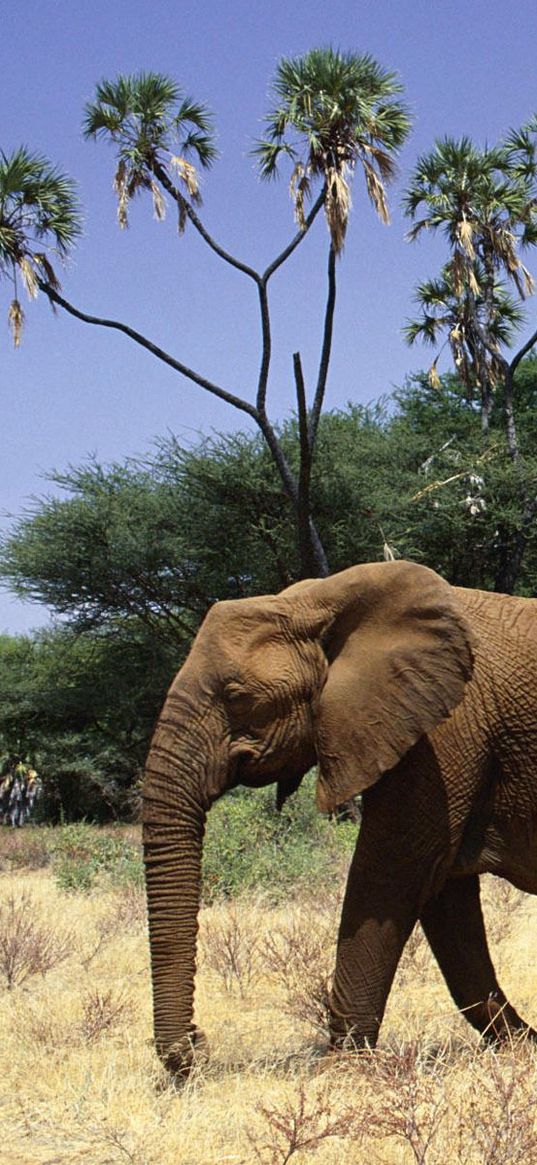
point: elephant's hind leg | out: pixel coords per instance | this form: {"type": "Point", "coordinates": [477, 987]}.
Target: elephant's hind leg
{"type": "Point", "coordinates": [453, 924]}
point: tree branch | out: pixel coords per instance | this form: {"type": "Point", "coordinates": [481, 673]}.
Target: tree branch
{"type": "Point", "coordinates": [326, 349]}
{"type": "Point", "coordinates": [160, 172]}
{"type": "Point", "coordinates": [297, 238]}
{"type": "Point", "coordinates": [163, 177]}
{"type": "Point", "coordinates": [523, 352]}
{"type": "Point", "coordinates": [236, 401]}
{"type": "Point", "coordinates": [265, 350]}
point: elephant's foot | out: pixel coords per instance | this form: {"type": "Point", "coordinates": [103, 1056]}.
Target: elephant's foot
{"type": "Point", "coordinates": [346, 1036]}
{"type": "Point", "coordinates": [497, 1021]}
{"type": "Point", "coordinates": [180, 1058]}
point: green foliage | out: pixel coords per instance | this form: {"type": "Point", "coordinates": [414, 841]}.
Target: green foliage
{"type": "Point", "coordinates": [331, 111]}
{"type": "Point", "coordinates": [39, 218]}
{"type": "Point", "coordinates": [154, 127]}
{"type": "Point", "coordinates": [26, 848]}
{"type": "Point", "coordinates": [80, 708]}
{"type": "Point", "coordinates": [84, 857]}
{"type": "Point", "coordinates": [249, 846]}
{"type": "Point", "coordinates": [133, 556]}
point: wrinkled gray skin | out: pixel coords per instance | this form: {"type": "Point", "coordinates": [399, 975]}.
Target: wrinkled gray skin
{"type": "Point", "coordinates": [418, 695]}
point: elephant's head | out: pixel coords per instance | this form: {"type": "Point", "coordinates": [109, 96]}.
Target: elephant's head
{"type": "Point", "coordinates": [347, 671]}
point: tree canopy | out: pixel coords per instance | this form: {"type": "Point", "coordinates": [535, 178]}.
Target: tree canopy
{"type": "Point", "coordinates": [130, 557]}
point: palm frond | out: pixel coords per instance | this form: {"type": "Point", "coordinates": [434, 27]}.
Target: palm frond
{"type": "Point", "coordinates": [331, 111]}
{"type": "Point", "coordinates": [376, 192]}
{"type": "Point", "coordinates": [148, 118]}
{"type": "Point", "coordinates": [38, 204]}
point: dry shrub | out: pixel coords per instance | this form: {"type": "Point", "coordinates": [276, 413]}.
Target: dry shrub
{"type": "Point", "coordinates": [499, 1111]}
{"type": "Point", "coordinates": [230, 944]}
{"type": "Point", "coordinates": [472, 1108]}
{"type": "Point", "coordinates": [28, 946]}
{"type": "Point", "coordinates": [301, 1125]}
{"type": "Point", "coordinates": [300, 953]}
{"type": "Point", "coordinates": [103, 1012]}
{"type": "Point", "coordinates": [127, 913]}
{"type": "Point", "coordinates": [409, 1096]}
{"type": "Point", "coordinates": [416, 960]}
{"type": "Point", "coordinates": [131, 908]}
{"type": "Point", "coordinates": [24, 848]}
{"type": "Point", "coordinates": [37, 1025]}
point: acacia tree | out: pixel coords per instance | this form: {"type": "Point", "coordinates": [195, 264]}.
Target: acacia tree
{"type": "Point", "coordinates": [332, 111]}
{"type": "Point", "coordinates": [485, 203]}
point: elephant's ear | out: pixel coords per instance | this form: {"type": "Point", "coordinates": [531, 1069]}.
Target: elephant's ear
{"type": "Point", "coordinates": [399, 654]}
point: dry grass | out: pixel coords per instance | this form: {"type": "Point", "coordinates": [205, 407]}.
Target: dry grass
{"type": "Point", "coordinates": [80, 1085]}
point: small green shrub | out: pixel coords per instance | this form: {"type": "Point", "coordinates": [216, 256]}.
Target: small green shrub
{"type": "Point", "coordinates": [84, 855]}
{"type": "Point", "coordinates": [250, 846]}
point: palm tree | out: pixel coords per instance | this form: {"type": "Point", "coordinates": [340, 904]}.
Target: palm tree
{"type": "Point", "coordinates": [484, 202]}
{"type": "Point", "coordinates": [39, 219]}
{"type": "Point", "coordinates": [155, 128]}
{"type": "Point", "coordinates": [458, 317]}
{"type": "Point", "coordinates": [333, 111]}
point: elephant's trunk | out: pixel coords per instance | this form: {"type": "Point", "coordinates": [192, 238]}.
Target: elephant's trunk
{"type": "Point", "coordinates": [175, 803]}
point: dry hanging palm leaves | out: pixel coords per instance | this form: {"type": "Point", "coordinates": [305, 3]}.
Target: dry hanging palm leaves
{"type": "Point", "coordinates": [337, 207]}
{"type": "Point", "coordinates": [376, 192]}
{"type": "Point", "coordinates": [29, 276]}
{"type": "Point", "coordinates": [299, 188]}
{"type": "Point", "coordinates": [120, 187]}
{"type": "Point", "coordinates": [188, 175]}
{"type": "Point", "coordinates": [433, 377]}
{"type": "Point", "coordinates": [15, 317]}
{"type": "Point", "coordinates": [464, 233]}
{"type": "Point", "coordinates": [159, 204]}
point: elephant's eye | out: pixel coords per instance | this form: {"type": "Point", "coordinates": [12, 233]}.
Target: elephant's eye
{"type": "Point", "coordinates": [237, 695]}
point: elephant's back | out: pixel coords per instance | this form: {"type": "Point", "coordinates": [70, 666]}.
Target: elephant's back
{"type": "Point", "coordinates": [493, 615]}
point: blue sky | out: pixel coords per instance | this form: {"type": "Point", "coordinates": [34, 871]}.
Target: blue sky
{"type": "Point", "coordinates": [72, 391]}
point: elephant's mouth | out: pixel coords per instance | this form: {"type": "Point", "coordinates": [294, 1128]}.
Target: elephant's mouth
{"type": "Point", "coordinates": [256, 772]}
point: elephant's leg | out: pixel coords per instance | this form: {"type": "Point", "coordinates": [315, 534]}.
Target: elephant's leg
{"type": "Point", "coordinates": [377, 919]}
{"type": "Point", "coordinates": [398, 855]}
{"type": "Point", "coordinates": [453, 924]}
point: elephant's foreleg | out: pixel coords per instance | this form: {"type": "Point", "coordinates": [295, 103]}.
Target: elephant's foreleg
{"type": "Point", "coordinates": [376, 922]}
{"type": "Point", "coordinates": [398, 859]}
{"type": "Point", "coordinates": [453, 924]}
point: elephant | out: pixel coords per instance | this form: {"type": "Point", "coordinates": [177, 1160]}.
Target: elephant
{"type": "Point", "coordinates": [421, 697]}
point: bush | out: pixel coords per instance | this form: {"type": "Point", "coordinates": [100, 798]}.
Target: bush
{"type": "Point", "coordinates": [27, 848]}
{"type": "Point", "coordinates": [84, 855]}
{"type": "Point", "coordinates": [28, 946]}
{"type": "Point", "coordinates": [249, 845]}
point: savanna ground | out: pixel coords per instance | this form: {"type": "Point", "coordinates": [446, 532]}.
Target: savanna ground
{"type": "Point", "coordinates": [79, 1081]}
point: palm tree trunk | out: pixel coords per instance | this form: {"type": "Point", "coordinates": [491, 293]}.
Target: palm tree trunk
{"type": "Point", "coordinates": [313, 560]}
